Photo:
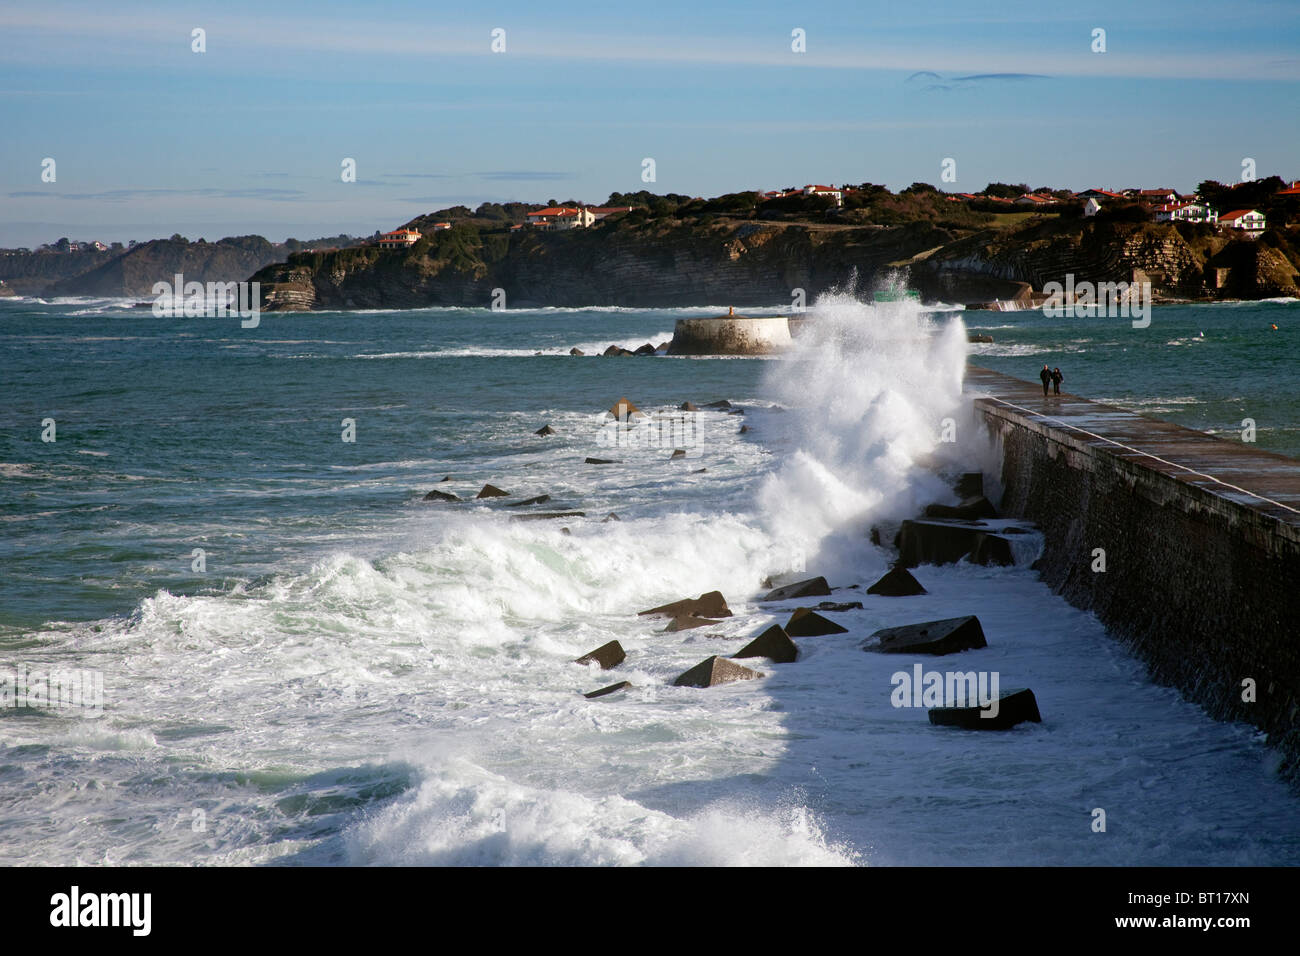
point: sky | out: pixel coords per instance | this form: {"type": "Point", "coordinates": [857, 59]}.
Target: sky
{"type": "Point", "coordinates": [151, 138]}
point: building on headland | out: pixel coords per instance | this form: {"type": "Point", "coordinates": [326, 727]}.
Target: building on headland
{"type": "Point", "coordinates": [830, 191]}
{"type": "Point", "coordinates": [558, 218]}
{"type": "Point", "coordinates": [1099, 194]}
{"type": "Point", "coordinates": [441, 226]}
{"type": "Point", "coordinates": [1036, 199]}
{"type": "Point", "coordinates": [398, 239]}
{"type": "Point", "coordinates": [1249, 221]}
{"type": "Point", "coordinates": [604, 212]}
{"type": "Point", "coordinates": [1185, 212]}
{"type": "Point", "coordinates": [1292, 190]}
{"type": "Point", "coordinates": [1162, 196]}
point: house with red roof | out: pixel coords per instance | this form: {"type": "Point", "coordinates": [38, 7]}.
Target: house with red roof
{"type": "Point", "coordinates": [1185, 212]}
{"type": "Point", "coordinates": [557, 218]}
{"type": "Point", "coordinates": [399, 239]}
{"type": "Point", "coordinates": [1249, 221]}
{"type": "Point", "coordinates": [831, 191]}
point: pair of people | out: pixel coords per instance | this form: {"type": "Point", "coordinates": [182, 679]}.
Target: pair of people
{"type": "Point", "coordinates": [1053, 377]}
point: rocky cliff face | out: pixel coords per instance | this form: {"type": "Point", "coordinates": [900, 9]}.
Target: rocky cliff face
{"type": "Point", "coordinates": [661, 264]}
{"type": "Point", "coordinates": [135, 272]}
{"type": "Point", "coordinates": [1114, 252]}
{"type": "Point", "coordinates": [650, 264]}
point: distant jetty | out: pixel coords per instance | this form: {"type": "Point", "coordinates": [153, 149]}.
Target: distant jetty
{"type": "Point", "coordinates": [731, 334]}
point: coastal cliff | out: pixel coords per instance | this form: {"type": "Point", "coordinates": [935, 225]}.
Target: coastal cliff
{"type": "Point", "coordinates": [666, 263]}
{"type": "Point", "coordinates": [651, 264]}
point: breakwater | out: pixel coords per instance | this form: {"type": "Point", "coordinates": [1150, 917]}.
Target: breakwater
{"type": "Point", "coordinates": [1186, 546]}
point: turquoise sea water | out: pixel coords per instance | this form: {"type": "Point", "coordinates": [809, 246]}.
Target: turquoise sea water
{"type": "Point", "coordinates": [351, 675]}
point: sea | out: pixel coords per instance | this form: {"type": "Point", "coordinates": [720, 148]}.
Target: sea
{"type": "Point", "coordinates": [298, 660]}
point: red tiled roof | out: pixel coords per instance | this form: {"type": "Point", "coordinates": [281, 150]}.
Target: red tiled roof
{"type": "Point", "coordinates": [1236, 214]}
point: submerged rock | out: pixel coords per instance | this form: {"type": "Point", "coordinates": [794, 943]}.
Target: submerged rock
{"type": "Point", "coordinates": [600, 461]}
{"type": "Point", "coordinates": [774, 644]}
{"type": "Point", "coordinates": [647, 349]}
{"type": "Point", "coordinates": [576, 351]}
{"type": "Point", "coordinates": [545, 430]}
{"type": "Point", "coordinates": [677, 453]}
{"type": "Point", "coordinates": [621, 685]}
{"type": "Point", "coordinates": [713, 671]}
{"type": "Point", "coordinates": [813, 587]}
{"type": "Point", "coordinates": [1014, 707]}
{"type": "Point", "coordinates": [947, 636]}
{"type": "Point", "coordinates": [546, 515]}
{"type": "Point", "coordinates": [623, 410]}
{"type": "Point", "coordinates": [540, 499]}
{"type": "Point", "coordinates": [436, 495]}
{"type": "Point", "coordinates": [808, 623]}
{"type": "Point", "coordinates": [492, 491]}
{"type": "Point", "coordinates": [897, 582]}
{"type": "Point", "coordinates": [612, 516]}
{"type": "Point", "coordinates": [688, 407]}
{"type": "Point", "coordinates": [839, 606]}
{"type": "Point", "coordinates": [607, 656]}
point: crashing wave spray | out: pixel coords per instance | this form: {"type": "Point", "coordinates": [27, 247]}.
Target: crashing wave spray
{"type": "Point", "coordinates": [869, 387]}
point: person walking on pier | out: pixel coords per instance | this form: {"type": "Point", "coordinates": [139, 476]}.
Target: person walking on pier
{"type": "Point", "coordinates": [1046, 376]}
{"type": "Point", "coordinates": [1057, 378]}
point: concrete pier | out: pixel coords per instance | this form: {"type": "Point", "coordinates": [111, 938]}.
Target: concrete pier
{"type": "Point", "coordinates": [731, 335]}
{"type": "Point", "coordinates": [1200, 539]}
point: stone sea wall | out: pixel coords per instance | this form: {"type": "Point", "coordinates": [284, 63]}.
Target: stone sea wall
{"type": "Point", "coordinates": [1201, 542]}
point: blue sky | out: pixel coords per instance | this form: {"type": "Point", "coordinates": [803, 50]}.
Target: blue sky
{"type": "Point", "coordinates": [151, 138]}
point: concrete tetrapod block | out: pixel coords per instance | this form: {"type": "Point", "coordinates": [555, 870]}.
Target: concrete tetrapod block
{"type": "Point", "coordinates": [936, 541]}
{"type": "Point", "coordinates": [897, 582]}
{"type": "Point", "coordinates": [774, 644]}
{"type": "Point", "coordinates": [713, 671]}
{"type": "Point", "coordinates": [546, 515]}
{"type": "Point", "coordinates": [492, 491]}
{"type": "Point", "coordinates": [992, 549]}
{"type": "Point", "coordinates": [813, 587]}
{"type": "Point", "coordinates": [709, 604]}
{"type": "Point", "coordinates": [545, 430]}
{"type": "Point", "coordinates": [970, 485]}
{"type": "Point", "coordinates": [436, 495]}
{"type": "Point", "coordinates": [1014, 707]}
{"type": "Point", "coordinates": [607, 656]}
{"type": "Point", "coordinates": [621, 685]}
{"type": "Point", "coordinates": [687, 622]}
{"type": "Point", "coordinates": [947, 636]}
{"type": "Point", "coordinates": [805, 622]}
{"type": "Point", "coordinates": [970, 509]}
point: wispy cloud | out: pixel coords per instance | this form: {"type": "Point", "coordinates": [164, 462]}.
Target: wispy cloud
{"type": "Point", "coordinates": [127, 195]}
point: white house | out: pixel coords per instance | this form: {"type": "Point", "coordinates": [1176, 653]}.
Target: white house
{"type": "Point", "coordinates": [557, 218]}
{"type": "Point", "coordinates": [836, 194]}
{"type": "Point", "coordinates": [1185, 212]}
{"type": "Point", "coordinates": [399, 239]}
{"type": "Point", "coordinates": [1091, 208]}
{"type": "Point", "coordinates": [1250, 221]}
